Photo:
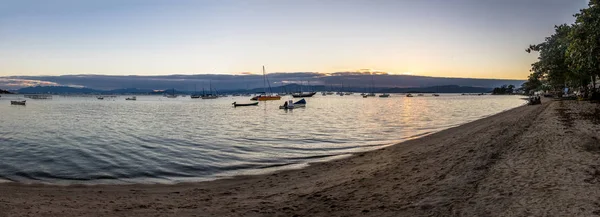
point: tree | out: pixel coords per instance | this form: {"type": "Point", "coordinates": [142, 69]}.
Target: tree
{"type": "Point", "coordinates": [584, 50]}
{"type": "Point", "coordinates": [552, 62]}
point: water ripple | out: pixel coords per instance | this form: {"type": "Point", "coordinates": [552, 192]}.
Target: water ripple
{"type": "Point", "coordinates": [70, 140]}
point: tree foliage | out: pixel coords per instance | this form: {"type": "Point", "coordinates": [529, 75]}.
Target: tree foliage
{"type": "Point", "coordinates": [504, 89]}
{"type": "Point", "coordinates": [571, 56]}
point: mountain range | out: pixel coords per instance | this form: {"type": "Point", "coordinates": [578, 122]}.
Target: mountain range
{"type": "Point", "coordinates": [280, 89]}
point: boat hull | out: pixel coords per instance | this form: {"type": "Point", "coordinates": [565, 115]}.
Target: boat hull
{"type": "Point", "coordinates": [266, 98]}
{"type": "Point", "coordinates": [17, 102]}
{"type": "Point", "coordinates": [244, 104]}
{"type": "Point", "coordinates": [300, 95]}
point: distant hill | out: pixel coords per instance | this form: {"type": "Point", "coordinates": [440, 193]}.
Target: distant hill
{"type": "Point", "coordinates": [434, 89]}
{"type": "Point", "coordinates": [279, 89]}
{"type": "Point", "coordinates": [56, 90]}
{"type": "Point", "coordinates": [438, 89]}
{"type": "Point", "coordinates": [4, 91]}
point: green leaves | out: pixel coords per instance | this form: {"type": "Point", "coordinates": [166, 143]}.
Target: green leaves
{"type": "Point", "coordinates": [571, 56]}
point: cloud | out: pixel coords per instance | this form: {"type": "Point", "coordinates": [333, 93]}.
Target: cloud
{"type": "Point", "coordinates": [11, 83]}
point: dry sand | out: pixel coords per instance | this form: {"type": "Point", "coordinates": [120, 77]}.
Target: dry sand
{"type": "Point", "coordinates": [538, 160]}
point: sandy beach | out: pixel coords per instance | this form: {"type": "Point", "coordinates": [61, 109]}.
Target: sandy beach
{"type": "Point", "coordinates": [541, 160]}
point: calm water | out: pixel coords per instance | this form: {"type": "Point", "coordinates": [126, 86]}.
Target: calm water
{"type": "Point", "coordinates": [160, 140]}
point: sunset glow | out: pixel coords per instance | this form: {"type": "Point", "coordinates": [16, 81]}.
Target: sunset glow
{"type": "Point", "coordinates": [466, 38]}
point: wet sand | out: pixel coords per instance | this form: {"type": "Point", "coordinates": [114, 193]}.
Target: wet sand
{"type": "Point", "coordinates": [541, 160]}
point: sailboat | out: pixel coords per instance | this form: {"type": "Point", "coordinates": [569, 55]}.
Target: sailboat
{"type": "Point", "coordinates": [372, 87]}
{"type": "Point", "coordinates": [264, 96]}
{"type": "Point", "coordinates": [172, 95]}
{"type": "Point", "coordinates": [303, 94]}
{"type": "Point", "coordinates": [195, 95]}
{"type": "Point", "coordinates": [210, 95]}
{"type": "Point", "coordinates": [341, 93]}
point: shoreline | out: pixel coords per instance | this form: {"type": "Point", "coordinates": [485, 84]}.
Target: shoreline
{"type": "Point", "coordinates": [511, 163]}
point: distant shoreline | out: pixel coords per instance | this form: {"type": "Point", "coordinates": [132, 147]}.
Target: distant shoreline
{"type": "Point", "coordinates": [486, 167]}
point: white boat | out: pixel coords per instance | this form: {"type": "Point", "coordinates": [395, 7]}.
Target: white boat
{"type": "Point", "coordinates": [131, 98]}
{"type": "Point", "coordinates": [100, 97]}
{"type": "Point", "coordinates": [420, 94]}
{"type": "Point", "coordinates": [384, 95]}
{"type": "Point", "coordinates": [292, 105]}
{"type": "Point", "coordinates": [17, 102]}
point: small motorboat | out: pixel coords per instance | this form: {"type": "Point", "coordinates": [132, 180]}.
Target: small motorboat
{"type": "Point", "coordinates": [384, 95]}
{"type": "Point", "coordinates": [131, 98]}
{"type": "Point", "coordinates": [287, 105]}
{"type": "Point", "coordinates": [235, 104]}
{"type": "Point", "coordinates": [18, 102]}
{"type": "Point", "coordinates": [100, 97]}
{"type": "Point", "coordinates": [300, 104]}
{"type": "Point", "coordinates": [435, 94]}
{"type": "Point", "coordinates": [365, 96]}
{"type": "Point", "coordinates": [409, 95]}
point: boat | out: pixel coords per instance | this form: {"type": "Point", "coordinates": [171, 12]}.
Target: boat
{"type": "Point", "coordinates": [38, 96]}
{"type": "Point", "coordinates": [435, 94]}
{"type": "Point", "coordinates": [348, 93]}
{"type": "Point", "coordinates": [420, 94]}
{"type": "Point", "coordinates": [100, 97]}
{"type": "Point", "coordinates": [18, 102]}
{"type": "Point", "coordinates": [323, 93]}
{"type": "Point", "coordinates": [300, 104]}
{"type": "Point", "coordinates": [172, 95]}
{"type": "Point", "coordinates": [409, 95]}
{"type": "Point", "coordinates": [384, 95]}
{"type": "Point", "coordinates": [364, 96]}
{"type": "Point", "coordinates": [300, 93]}
{"type": "Point", "coordinates": [287, 105]}
{"type": "Point", "coordinates": [195, 95]}
{"type": "Point", "coordinates": [341, 92]}
{"type": "Point", "coordinates": [264, 96]}
{"type": "Point", "coordinates": [209, 95]}
{"type": "Point", "coordinates": [304, 94]}
{"type": "Point", "coordinates": [370, 94]}
{"type": "Point", "coordinates": [235, 104]}
{"type": "Point", "coordinates": [131, 98]}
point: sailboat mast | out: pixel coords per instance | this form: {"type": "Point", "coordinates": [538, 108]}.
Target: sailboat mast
{"type": "Point", "coordinates": [264, 81]}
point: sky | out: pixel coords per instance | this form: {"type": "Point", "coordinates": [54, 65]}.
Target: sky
{"type": "Point", "coordinates": [441, 38]}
